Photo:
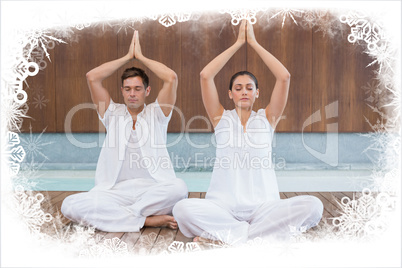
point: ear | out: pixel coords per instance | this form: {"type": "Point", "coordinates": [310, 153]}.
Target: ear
{"type": "Point", "coordinates": [257, 93]}
{"type": "Point", "coordinates": [147, 91]}
{"type": "Point", "coordinates": [230, 94]}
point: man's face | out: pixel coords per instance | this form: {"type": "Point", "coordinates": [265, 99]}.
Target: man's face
{"type": "Point", "coordinates": [134, 92]}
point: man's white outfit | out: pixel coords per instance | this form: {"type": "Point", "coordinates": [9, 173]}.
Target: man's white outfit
{"type": "Point", "coordinates": [134, 175]}
{"type": "Point", "coordinates": [243, 200]}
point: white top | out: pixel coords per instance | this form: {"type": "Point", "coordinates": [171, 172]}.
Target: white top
{"type": "Point", "coordinates": [151, 129]}
{"type": "Point", "coordinates": [243, 177]}
{"type": "Point", "coordinates": [133, 166]}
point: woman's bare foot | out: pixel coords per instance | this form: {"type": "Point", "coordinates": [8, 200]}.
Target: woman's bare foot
{"type": "Point", "coordinates": [161, 221]}
{"type": "Point", "coordinates": [207, 241]}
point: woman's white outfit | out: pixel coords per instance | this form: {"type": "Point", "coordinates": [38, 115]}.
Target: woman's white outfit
{"type": "Point", "coordinates": [134, 176]}
{"type": "Point", "coordinates": [243, 200]}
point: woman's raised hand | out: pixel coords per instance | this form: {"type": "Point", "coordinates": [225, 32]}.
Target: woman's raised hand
{"type": "Point", "coordinates": [242, 33]}
{"type": "Point", "coordinates": [250, 33]}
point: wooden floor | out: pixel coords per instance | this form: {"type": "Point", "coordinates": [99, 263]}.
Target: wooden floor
{"type": "Point", "coordinates": [155, 240]}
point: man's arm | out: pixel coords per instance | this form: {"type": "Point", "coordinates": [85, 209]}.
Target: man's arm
{"type": "Point", "coordinates": [100, 95]}
{"type": "Point", "coordinates": [167, 95]}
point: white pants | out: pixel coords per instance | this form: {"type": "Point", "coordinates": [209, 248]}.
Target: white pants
{"type": "Point", "coordinates": [125, 207]}
{"type": "Point", "coordinates": [206, 218]}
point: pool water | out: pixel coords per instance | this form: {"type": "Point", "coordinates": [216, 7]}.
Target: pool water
{"type": "Point", "coordinates": [288, 180]}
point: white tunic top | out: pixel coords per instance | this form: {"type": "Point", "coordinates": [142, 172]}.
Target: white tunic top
{"type": "Point", "coordinates": [243, 177]}
{"type": "Point", "coordinates": [151, 129]}
{"type": "Point", "coordinates": [133, 167]}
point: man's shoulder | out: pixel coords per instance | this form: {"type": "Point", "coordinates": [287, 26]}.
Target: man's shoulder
{"type": "Point", "coordinates": [117, 108]}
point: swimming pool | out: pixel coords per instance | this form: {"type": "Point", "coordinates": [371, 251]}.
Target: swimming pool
{"type": "Point", "coordinates": [288, 180]}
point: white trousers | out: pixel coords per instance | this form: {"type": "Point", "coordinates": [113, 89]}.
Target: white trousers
{"type": "Point", "coordinates": [277, 220]}
{"type": "Point", "coordinates": [125, 207]}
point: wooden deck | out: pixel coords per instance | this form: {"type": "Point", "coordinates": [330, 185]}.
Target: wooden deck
{"type": "Point", "coordinates": [155, 240]}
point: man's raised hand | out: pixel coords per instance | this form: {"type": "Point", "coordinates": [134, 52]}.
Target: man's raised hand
{"type": "Point", "coordinates": [137, 46]}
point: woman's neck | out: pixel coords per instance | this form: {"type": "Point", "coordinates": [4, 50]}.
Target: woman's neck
{"type": "Point", "coordinates": [244, 114]}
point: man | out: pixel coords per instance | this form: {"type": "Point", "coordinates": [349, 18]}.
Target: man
{"type": "Point", "coordinates": [135, 184]}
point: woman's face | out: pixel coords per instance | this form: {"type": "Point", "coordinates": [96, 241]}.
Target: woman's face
{"type": "Point", "coordinates": [244, 92]}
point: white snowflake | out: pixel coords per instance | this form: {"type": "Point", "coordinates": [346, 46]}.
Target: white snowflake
{"type": "Point", "coordinates": [126, 25]}
{"type": "Point", "coordinates": [176, 247]}
{"type": "Point", "coordinates": [34, 145]}
{"type": "Point", "coordinates": [183, 17]}
{"type": "Point", "coordinates": [36, 89]}
{"type": "Point", "coordinates": [363, 29]}
{"type": "Point", "coordinates": [29, 208]}
{"type": "Point", "coordinates": [287, 12]}
{"type": "Point", "coordinates": [15, 155]}
{"type": "Point", "coordinates": [153, 241]}
{"type": "Point", "coordinates": [40, 101]}
{"type": "Point", "coordinates": [81, 26]}
{"type": "Point", "coordinates": [42, 39]}
{"type": "Point", "coordinates": [167, 19]}
{"type": "Point", "coordinates": [103, 19]}
{"type": "Point", "coordinates": [28, 175]}
{"type": "Point", "coordinates": [383, 56]}
{"type": "Point", "coordinates": [362, 216]}
{"type": "Point", "coordinates": [297, 234]}
{"type": "Point", "coordinates": [109, 248]}
{"type": "Point", "coordinates": [215, 240]}
{"type": "Point", "coordinates": [239, 14]}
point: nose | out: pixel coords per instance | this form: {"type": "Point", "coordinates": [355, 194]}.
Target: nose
{"type": "Point", "coordinates": [244, 91]}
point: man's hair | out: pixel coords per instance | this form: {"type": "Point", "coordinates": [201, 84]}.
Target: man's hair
{"type": "Point", "coordinates": [133, 72]}
{"type": "Point", "coordinates": [243, 73]}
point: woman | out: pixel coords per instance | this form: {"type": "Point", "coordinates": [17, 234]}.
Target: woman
{"type": "Point", "coordinates": [243, 200]}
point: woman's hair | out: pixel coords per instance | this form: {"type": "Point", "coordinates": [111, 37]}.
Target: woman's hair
{"type": "Point", "coordinates": [133, 72]}
{"type": "Point", "coordinates": [243, 73]}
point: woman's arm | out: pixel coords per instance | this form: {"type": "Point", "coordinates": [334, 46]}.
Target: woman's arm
{"type": "Point", "coordinates": [279, 95]}
{"type": "Point", "coordinates": [209, 92]}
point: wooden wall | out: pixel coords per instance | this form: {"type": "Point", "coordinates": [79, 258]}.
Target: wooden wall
{"type": "Point", "coordinates": [323, 70]}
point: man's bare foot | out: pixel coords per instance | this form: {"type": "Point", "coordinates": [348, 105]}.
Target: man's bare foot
{"type": "Point", "coordinates": [161, 221]}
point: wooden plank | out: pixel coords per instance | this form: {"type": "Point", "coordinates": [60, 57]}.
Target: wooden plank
{"type": "Point", "coordinates": [282, 195]}
{"type": "Point", "coordinates": [340, 71]}
{"type": "Point", "coordinates": [326, 213]}
{"type": "Point", "coordinates": [200, 44]}
{"type": "Point", "coordinates": [203, 195]}
{"type": "Point", "coordinates": [289, 194]}
{"type": "Point", "coordinates": [194, 195]}
{"type": "Point", "coordinates": [72, 62]}
{"type": "Point", "coordinates": [41, 91]}
{"type": "Point", "coordinates": [131, 238]}
{"type": "Point", "coordinates": [165, 238]}
{"type": "Point", "coordinates": [351, 195]}
{"type": "Point", "coordinates": [112, 235]}
{"type": "Point", "coordinates": [333, 207]}
{"type": "Point", "coordinates": [181, 237]}
{"type": "Point", "coordinates": [146, 240]}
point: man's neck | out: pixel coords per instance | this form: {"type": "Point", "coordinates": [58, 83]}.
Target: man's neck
{"type": "Point", "coordinates": [135, 111]}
